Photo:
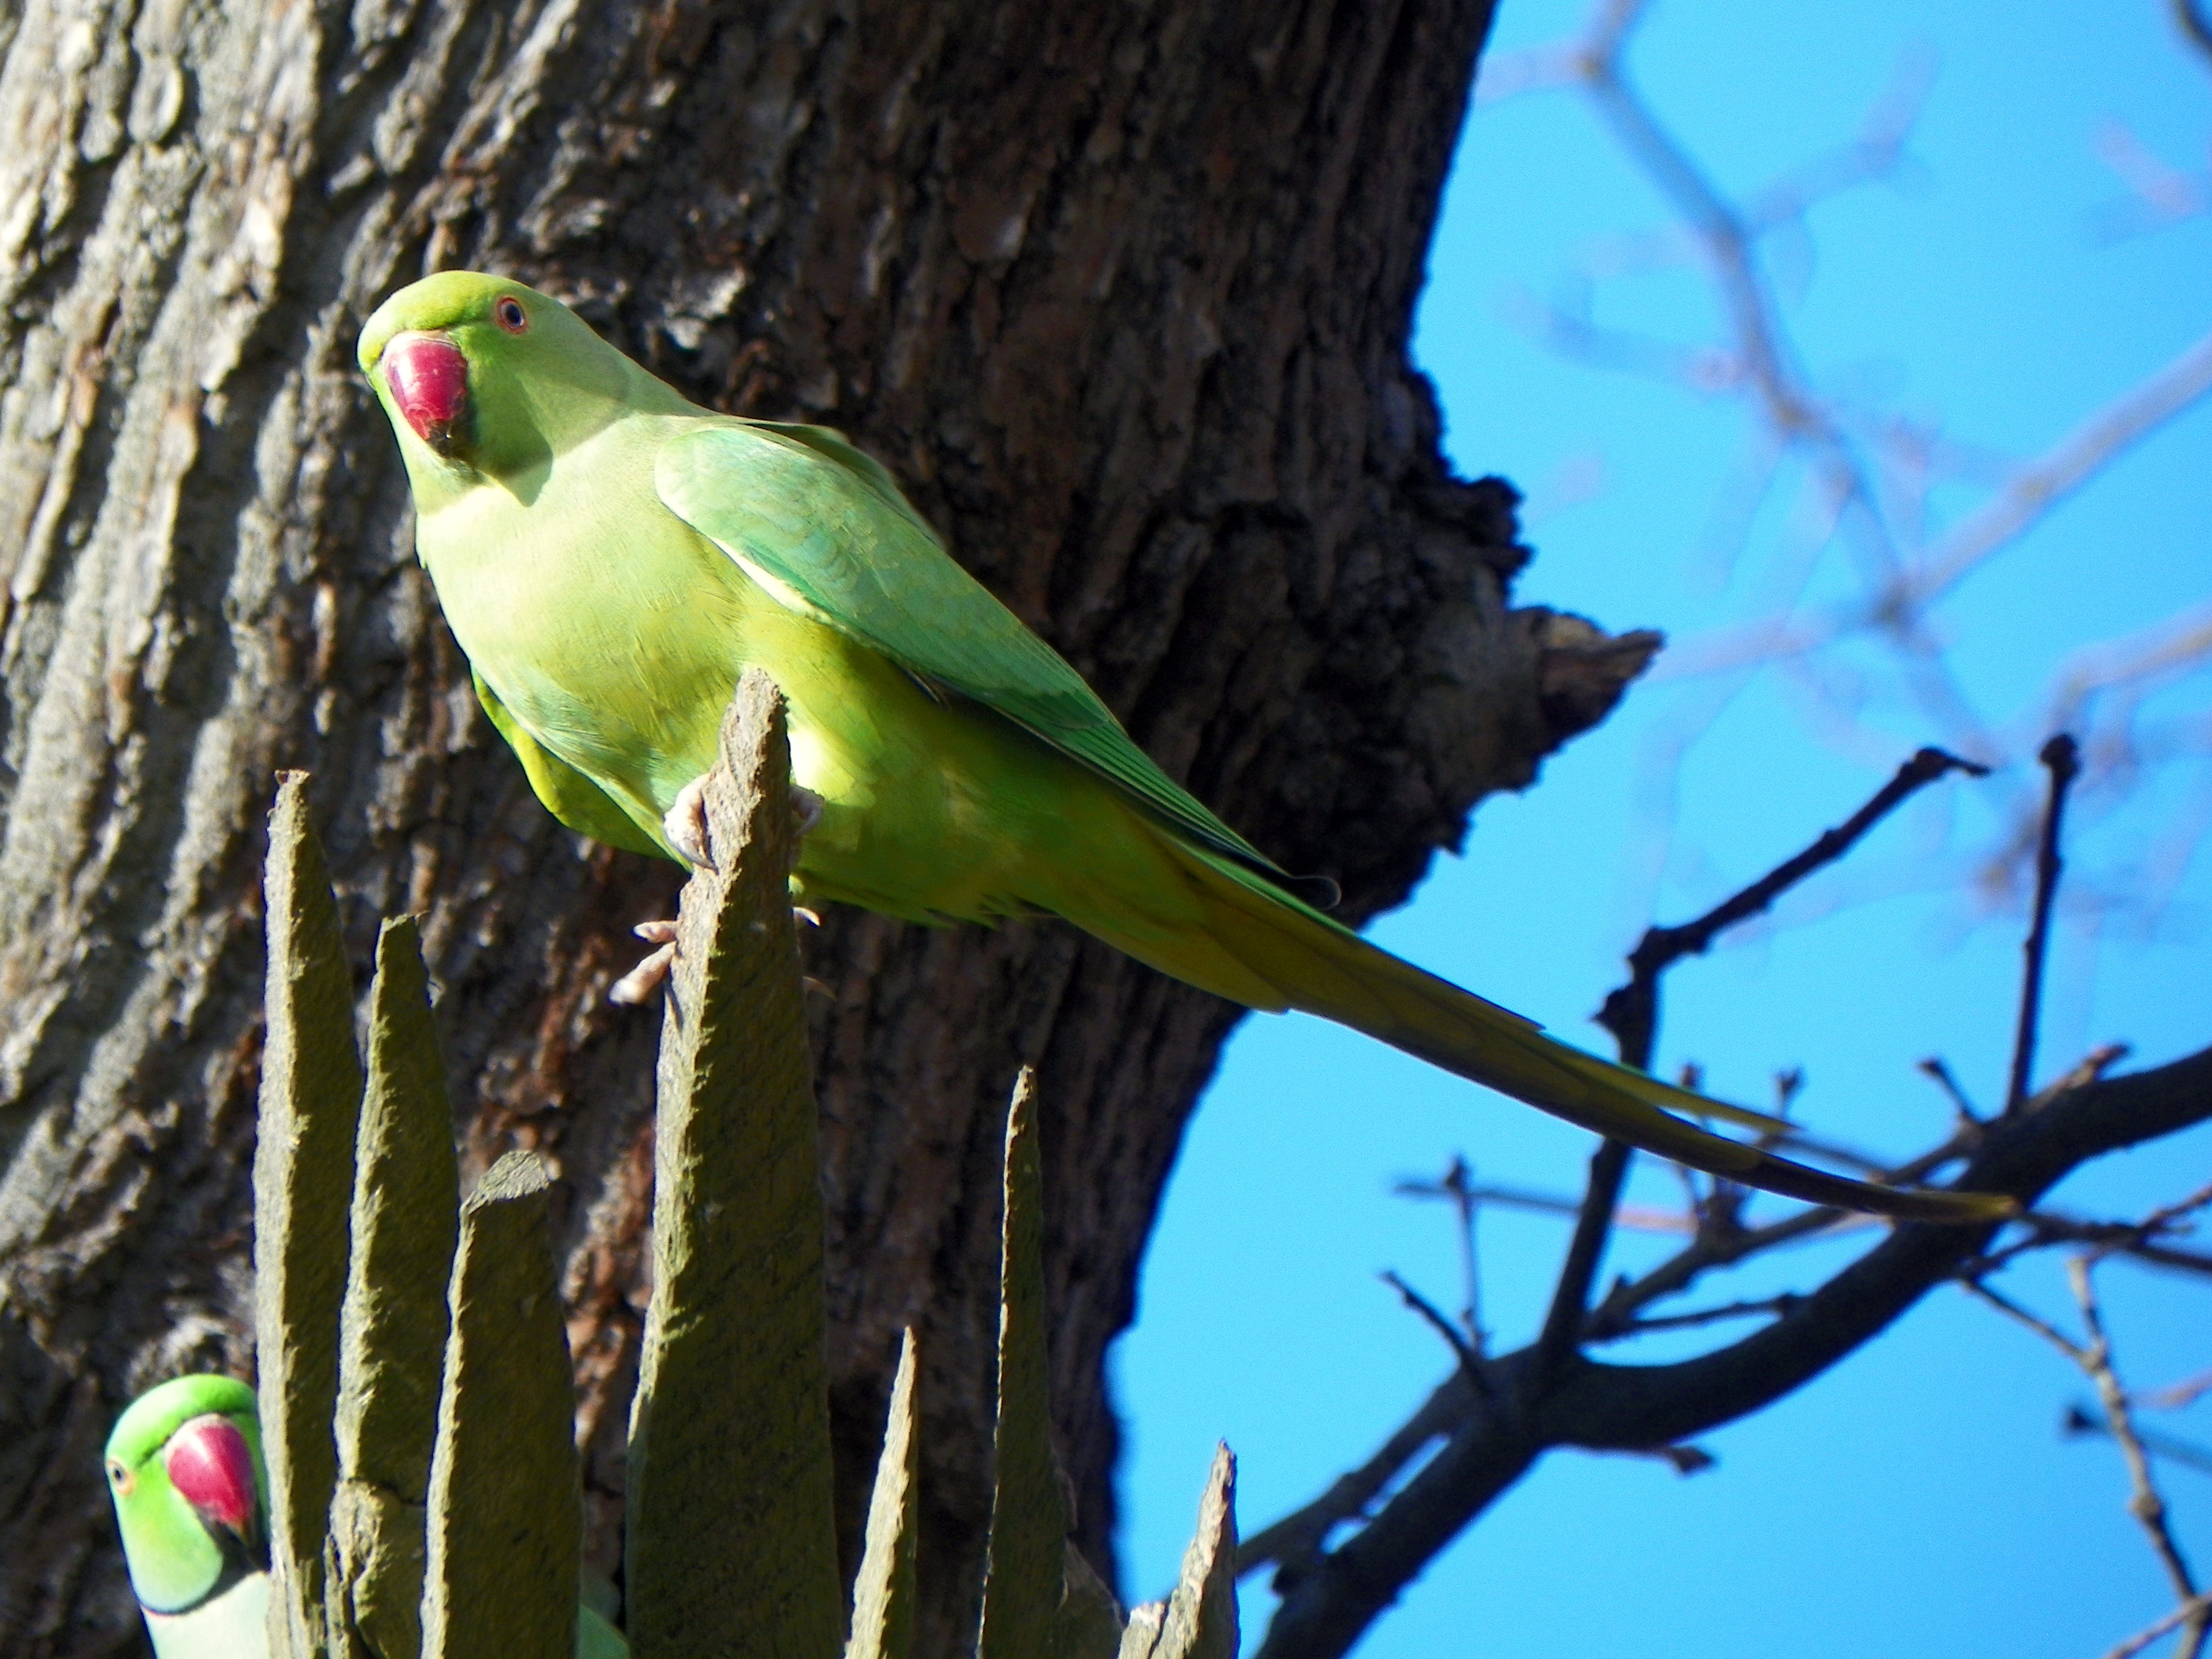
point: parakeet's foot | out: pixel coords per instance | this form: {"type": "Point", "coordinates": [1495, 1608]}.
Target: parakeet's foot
{"type": "Point", "coordinates": [805, 812]}
{"type": "Point", "coordinates": [685, 822]}
{"type": "Point", "coordinates": [642, 981]}
{"type": "Point", "coordinates": [686, 826]}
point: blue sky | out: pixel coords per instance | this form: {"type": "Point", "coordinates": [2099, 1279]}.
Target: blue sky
{"type": "Point", "coordinates": [1917, 1499]}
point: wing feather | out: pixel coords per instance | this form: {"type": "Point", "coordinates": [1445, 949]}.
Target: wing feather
{"type": "Point", "coordinates": [825, 530]}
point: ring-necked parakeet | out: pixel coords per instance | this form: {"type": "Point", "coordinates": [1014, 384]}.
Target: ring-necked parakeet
{"type": "Point", "coordinates": [611, 558]}
{"type": "Point", "coordinates": [191, 1498]}
{"type": "Point", "coordinates": [184, 1467]}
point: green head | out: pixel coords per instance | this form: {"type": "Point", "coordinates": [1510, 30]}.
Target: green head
{"type": "Point", "coordinates": [486, 380]}
{"type": "Point", "coordinates": [191, 1498]}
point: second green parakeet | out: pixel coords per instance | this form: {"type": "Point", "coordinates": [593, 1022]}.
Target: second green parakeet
{"type": "Point", "coordinates": [611, 558]}
{"type": "Point", "coordinates": [192, 1500]}
{"type": "Point", "coordinates": [184, 1468]}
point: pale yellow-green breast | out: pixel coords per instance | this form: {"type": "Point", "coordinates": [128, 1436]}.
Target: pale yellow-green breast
{"type": "Point", "coordinates": [615, 632]}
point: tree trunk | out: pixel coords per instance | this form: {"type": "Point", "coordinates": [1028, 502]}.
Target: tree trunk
{"type": "Point", "coordinates": [1120, 295]}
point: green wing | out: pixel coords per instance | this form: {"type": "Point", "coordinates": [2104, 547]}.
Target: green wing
{"type": "Point", "coordinates": [823, 529]}
{"type": "Point", "coordinates": [568, 795]}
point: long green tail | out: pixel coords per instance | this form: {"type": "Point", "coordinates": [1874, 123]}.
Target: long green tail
{"type": "Point", "coordinates": [1260, 940]}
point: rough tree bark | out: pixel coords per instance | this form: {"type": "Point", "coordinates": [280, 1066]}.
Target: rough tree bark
{"type": "Point", "coordinates": [1122, 294]}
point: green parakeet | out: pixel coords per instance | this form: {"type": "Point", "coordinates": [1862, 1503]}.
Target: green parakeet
{"type": "Point", "coordinates": [191, 1498]}
{"type": "Point", "coordinates": [611, 558]}
{"type": "Point", "coordinates": [184, 1467]}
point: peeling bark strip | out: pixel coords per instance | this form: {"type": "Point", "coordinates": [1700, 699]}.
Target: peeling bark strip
{"type": "Point", "coordinates": [1121, 294]}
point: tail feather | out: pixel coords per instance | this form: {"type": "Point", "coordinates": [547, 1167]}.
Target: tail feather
{"type": "Point", "coordinates": [1267, 950]}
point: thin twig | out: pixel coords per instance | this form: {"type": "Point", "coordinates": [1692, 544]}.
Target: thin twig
{"type": "Point", "coordinates": [1785, 1303]}
{"type": "Point", "coordinates": [2175, 1395]}
{"type": "Point", "coordinates": [1565, 1319]}
{"type": "Point", "coordinates": [2196, 24]}
{"type": "Point", "coordinates": [1635, 1217]}
{"type": "Point", "coordinates": [2080, 1420]}
{"type": "Point", "coordinates": [1459, 1183]}
{"type": "Point", "coordinates": [1295, 1540]}
{"type": "Point", "coordinates": [2195, 1607]}
{"type": "Point", "coordinates": [2135, 1239]}
{"type": "Point", "coordinates": [2094, 1359]}
{"type": "Point", "coordinates": [2042, 1327]}
{"type": "Point", "coordinates": [1934, 1067]}
{"type": "Point", "coordinates": [2146, 1503]}
{"type": "Point", "coordinates": [2062, 758]}
{"type": "Point", "coordinates": [1613, 1317]}
{"type": "Point", "coordinates": [2027, 499]}
{"type": "Point", "coordinates": [1469, 1361]}
{"type": "Point", "coordinates": [2088, 1070]}
{"type": "Point", "coordinates": [1710, 1249]}
{"type": "Point", "coordinates": [2170, 1215]}
{"type": "Point", "coordinates": [1408, 1512]}
{"type": "Point", "coordinates": [1632, 1012]}
{"type": "Point", "coordinates": [2122, 1239]}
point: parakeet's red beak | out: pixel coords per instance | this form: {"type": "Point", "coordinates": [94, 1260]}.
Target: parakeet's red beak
{"type": "Point", "coordinates": [212, 1467]}
{"type": "Point", "coordinates": [429, 381]}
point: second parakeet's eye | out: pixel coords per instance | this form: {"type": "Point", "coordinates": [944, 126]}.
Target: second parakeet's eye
{"type": "Point", "coordinates": [511, 315]}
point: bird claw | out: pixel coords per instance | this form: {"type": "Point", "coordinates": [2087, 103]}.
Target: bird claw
{"type": "Point", "coordinates": [685, 822]}
{"type": "Point", "coordinates": [642, 981]}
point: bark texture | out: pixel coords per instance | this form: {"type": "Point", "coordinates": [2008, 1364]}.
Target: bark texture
{"type": "Point", "coordinates": [1122, 294]}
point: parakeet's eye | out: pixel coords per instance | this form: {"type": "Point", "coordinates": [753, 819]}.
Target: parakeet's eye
{"type": "Point", "coordinates": [119, 1477]}
{"type": "Point", "coordinates": [511, 315]}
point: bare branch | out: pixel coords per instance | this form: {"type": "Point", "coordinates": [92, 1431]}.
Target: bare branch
{"type": "Point", "coordinates": [2175, 1395]}
{"type": "Point", "coordinates": [2195, 1607]}
{"type": "Point", "coordinates": [1295, 1540]}
{"type": "Point", "coordinates": [1458, 1183]}
{"type": "Point", "coordinates": [1563, 1320]}
{"type": "Point", "coordinates": [1469, 1361]}
{"type": "Point", "coordinates": [1785, 1303]}
{"type": "Point", "coordinates": [2142, 1241]}
{"type": "Point", "coordinates": [1934, 1066]}
{"type": "Point", "coordinates": [2063, 760]}
{"type": "Point", "coordinates": [2197, 25]}
{"type": "Point", "coordinates": [1601, 1405]}
{"type": "Point", "coordinates": [2033, 491]}
{"type": "Point", "coordinates": [1631, 1011]}
{"type": "Point", "coordinates": [2080, 1420]}
{"type": "Point", "coordinates": [2042, 1327]}
{"type": "Point", "coordinates": [1335, 1594]}
{"type": "Point", "coordinates": [2127, 1240]}
{"type": "Point", "coordinates": [2145, 1503]}
{"type": "Point", "coordinates": [1614, 1315]}
{"type": "Point", "coordinates": [1636, 1218]}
